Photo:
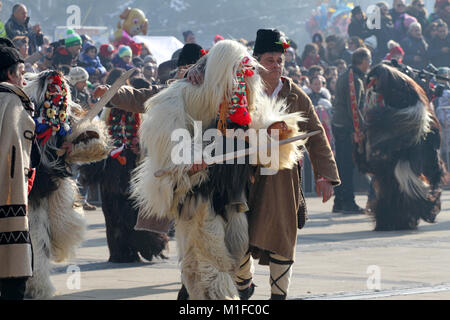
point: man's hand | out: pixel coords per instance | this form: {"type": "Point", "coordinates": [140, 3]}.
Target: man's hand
{"type": "Point", "coordinates": [198, 167]}
{"type": "Point", "coordinates": [324, 188]}
{"type": "Point", "coordinates": [100, 91]}
{"type": "Point", "coordinates": [283, 129]}
{"type": "Point", "coordinates": [194, 76]}
{"type": "Point", "coordinates": [37, 29]}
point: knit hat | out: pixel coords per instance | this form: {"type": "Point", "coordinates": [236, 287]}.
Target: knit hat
{"type": "Point", "coordinates": [371, 42]}
{"type": "Point", "coordinates": [106, 50]}
{"type": "Point", "coordinates": [149, 58]}
{"type": "Point", "coordinates": [190, 54]}
{"type": "Point", "coordinates": [9, 57]}
{"type": "Point", "coordinates": [77, 74]}
{"type": "Point", "coordinates": [125, 51]}
{"type": "Point", "coordinates": [269, 40]}
{"type": "Point", "coordinates": [72, 39]}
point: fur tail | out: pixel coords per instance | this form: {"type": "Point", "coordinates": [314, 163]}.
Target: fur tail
{"type": "Point", "coordinates": [409, 182]}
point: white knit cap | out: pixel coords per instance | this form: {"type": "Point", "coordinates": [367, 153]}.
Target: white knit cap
{"type": "Point", "coordinates": [77, 74]}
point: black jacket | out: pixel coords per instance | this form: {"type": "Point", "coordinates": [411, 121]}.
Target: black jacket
{"type": "Point", "coordinates": [14, 28]}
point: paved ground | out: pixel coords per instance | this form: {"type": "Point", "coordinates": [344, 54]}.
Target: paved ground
{"type": "Point", "coordinates": [338, 257]}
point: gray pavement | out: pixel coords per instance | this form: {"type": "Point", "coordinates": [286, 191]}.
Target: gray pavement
{"type": "Point", "coordinates": [338, 257]}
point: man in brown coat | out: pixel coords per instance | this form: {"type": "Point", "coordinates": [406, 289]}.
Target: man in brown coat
{"type": "Point", "coordinates": [276, 199]}
{"type": "Point", "coordinates": [16, 137]}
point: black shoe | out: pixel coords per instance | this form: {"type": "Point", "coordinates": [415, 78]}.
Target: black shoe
{"type": "Point", "coordinates": [183, 294]}
{"type": "Point", "coordinates": [246, 293]}
{"type": "Point", "coordinates": [352, 208]}
{"type": "Point", "coordinates": [274, 296]}
{"type": "Point", "coordinates": [337, 208]}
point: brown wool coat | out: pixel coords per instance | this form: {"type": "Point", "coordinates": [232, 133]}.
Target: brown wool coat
{"type": "Point", "coordinates": [133, 100]}
{"type": "Point", "coordinates": [274, 200]}
{"type": "Point", "coordinates": [15, 247]}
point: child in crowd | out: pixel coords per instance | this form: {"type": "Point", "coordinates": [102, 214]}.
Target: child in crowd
{"type": "Point", "coordinates": [91, 62]}
{"type": "Point", "coordinates": [123, 58]}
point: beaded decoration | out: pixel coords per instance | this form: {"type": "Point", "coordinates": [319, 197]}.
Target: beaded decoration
{"type": "Point", "coordinates": [52, 118]}
{"type": "Point", "coordinates": [123, 127]}
{"type": "Point", "coordinates": [238, 111]}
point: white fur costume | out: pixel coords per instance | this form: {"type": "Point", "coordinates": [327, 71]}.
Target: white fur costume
{"type": "Point", "coordinates": [210, 246]}
{"type": "Point", "coordinates": [56, 228]}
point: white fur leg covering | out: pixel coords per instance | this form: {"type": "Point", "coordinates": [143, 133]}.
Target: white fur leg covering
{"type": "Point", "coordinates": [206, 263]}
{"type": "Point", "coordinates": [39, 285]}
{"type": "Point", "coordinates": [67, 226]}
{"type": "Point", "coordinates": [236, 234]}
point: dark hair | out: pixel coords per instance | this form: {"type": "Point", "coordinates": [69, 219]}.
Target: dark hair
{"type": "Point", "coordinates": [187, 33]}
{"type": "Point", "coordinates": [357, 41]}
{"type": "Point", "coordinates": [4, 73]}
{"type": "Point", "coordinates": [114, 75]}
{"type": "Point", "coordinates": [315, 68]}
{"type": "Point", "coordinates": [339, 61]}
{"type": "Point", "coordinates": [360, 55]}
{"type": "Point", "coordinates": [317, 37]}
{"type": "Point", "coordinates": [329, 69]}
{"type": "Point", "coordinates": [309, 48]}
{"type": "Point", "coordinates": [140, 83]}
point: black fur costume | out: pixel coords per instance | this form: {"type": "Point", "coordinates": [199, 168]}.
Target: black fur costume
{"type": "Point", "coordinates": [401, 150]}
{"type": "Point", "coordinates": [124, 242]}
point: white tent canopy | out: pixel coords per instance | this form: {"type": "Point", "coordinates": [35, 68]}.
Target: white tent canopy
{"type": "Point", "coordinates": [162, 48]}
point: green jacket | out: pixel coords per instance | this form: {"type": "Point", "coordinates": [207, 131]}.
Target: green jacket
{"type": "Point", "coordinates": [2, 30]}
{"type": "Point", "coordinates": [342, 110]}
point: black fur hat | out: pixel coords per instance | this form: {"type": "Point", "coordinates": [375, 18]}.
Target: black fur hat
{"type": "Point", "coordinates": [269, 40]}
{"type": "Point", "coordinates": [190, 54]}
{"type": "Point", "coordinates": [9, 56]}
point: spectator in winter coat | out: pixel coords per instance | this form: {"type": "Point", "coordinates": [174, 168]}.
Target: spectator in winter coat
{"type": "Point", "coordinates": [78, 78]}
{"type": "Point", "coordinates": [417, 10]}
{"type": "Point", "coordinates": [438, 51]}
{"type": "Point", "coordinates": [384, 32]}
{"type": "Point", "coordinates": [310, 55]}
{"type": "Point", "coordinates": [91, 62]}
{"type": "Point", "coordinates": [105, 54]}
{"type": "Point", "coordinates": [358, 25]}
{"type": "Point", "coordinates": [398, 8]}
{"type": "Point", "coordinates": [67, 56]}
{"type": "Point", "coordinates": [123, 58]}
{"type": "Point", "coordinates": [317, 38]}
{"type": "Point", "coordinates": [441, 11]}
{"type": "Point", "coordinates": [415, 47]}
{"type": "Point", "coordinates": [336, 50]}
{"type": "Point", "coordinates": [17, 25]}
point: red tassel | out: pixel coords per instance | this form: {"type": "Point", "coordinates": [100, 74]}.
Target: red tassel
{"type": "Point", "coordinates": [248, 73]}
{"type": "Point", "coordinates": [31, 179]}
{"type": "Point", "coordinates": [241, 116]}
{"type": "Point", "coordinates": [45, 135]}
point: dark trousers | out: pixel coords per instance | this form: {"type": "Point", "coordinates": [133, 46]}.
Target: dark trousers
{"type": "Point", "coordinates": [13, 288]}
{"type": "Point", "coordinates": [344, 193]}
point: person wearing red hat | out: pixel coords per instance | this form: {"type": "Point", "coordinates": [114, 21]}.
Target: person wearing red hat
{"type": "Point", "coordinates": [105, 54]}
{"type": "Point", "coordinates": [395, 52]}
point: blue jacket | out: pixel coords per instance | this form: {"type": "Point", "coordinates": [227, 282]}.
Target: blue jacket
{"type": "Point", "coordinates": [119, 63]}
{"type": "Point", "coordinates": [91, 64]}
